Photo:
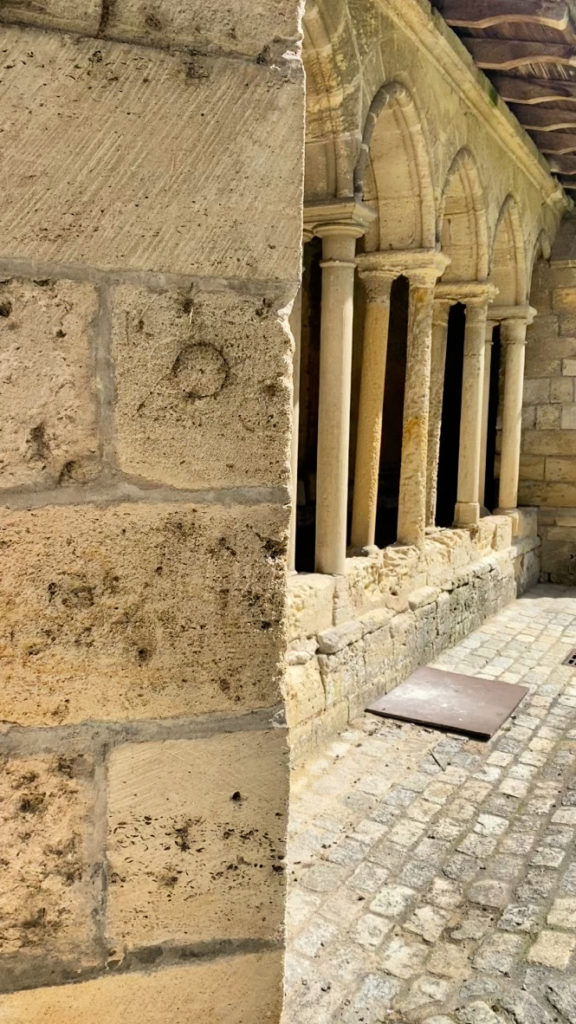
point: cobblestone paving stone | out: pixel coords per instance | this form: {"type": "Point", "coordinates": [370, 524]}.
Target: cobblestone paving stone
{"type": "Point", "coordinates": [432, 879]}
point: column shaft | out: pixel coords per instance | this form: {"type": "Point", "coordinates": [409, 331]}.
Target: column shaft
{"type": "Point", "coordinates": [468, 507]}
{"type": "Point", "coordinates": [485, 410]}
{"type": "Point", "coordinates": [513, 335]}
{"type": "Point", "coordinates": [338, 267]}
{"type": "Point", "coordinates": [296, 328]}
{"type": "Point", "coordinates": [413, 472]}
{"type": "Point", "coordinates": [370, 409]}
{"type": "Point", "coordinates": [437, 370]}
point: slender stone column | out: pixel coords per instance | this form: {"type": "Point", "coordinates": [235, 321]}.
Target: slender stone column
{"type": "Point", "coordinates": [338, 225]}
{"type": "Point", "coordinates": [378, 282]}
{"type": "Point", "coordinates": [438, 365]}
{"type": "Point", "coordinates": [413, 473]}
{"type": "Point", "coordinates": [296, 328]}
{"type": "Point", "coordinates": [468, 505]}
{"type": "Point", "coordinates": [513, 336]}
{"type": "Point", "coordinates": [485, 408]}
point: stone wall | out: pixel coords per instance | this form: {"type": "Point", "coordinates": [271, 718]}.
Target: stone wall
{"type": "Point", "coordinates": [358, 636]}
{"type": "Point", "coordinates": [150, 243]}
{"type": "Point", "coordinates": [548, 463]}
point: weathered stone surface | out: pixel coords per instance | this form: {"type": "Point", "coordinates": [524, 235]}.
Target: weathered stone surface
{"type": "Point", "coordinates": [80, 16]}
{"type": "Point", "coordinates": [237, 27]}
{"type": "Point", "coordinates": [238, 990]}
{"type": "Point", "coordinates": [303, 692]}
{"type": "Point", "coordinates": [196, 839]}
{"type": "Point", "coordinates": [50, 890]}
{"type": "Point", "coordinates": [203, 389]}
{"type": "Point", "coordinates": [47, 394]}
{"type": "Point", "coordinates": [134, 188]}
{"type": "Point", "coordinates": [310, 603]}
{"type": "Point", "coordinates": [137, 611]}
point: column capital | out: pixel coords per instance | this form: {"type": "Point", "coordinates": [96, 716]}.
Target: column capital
{"type": "Point", "coordinates": [337, 217]}
{"type": "Point", "coordinates": [421, 266]}
{"type": "Point", "coordinates": [376, 276]}
{"type": "Point", "coordinates": [469, 293]}
{"type": "Point", "coordinates": [525, 313]}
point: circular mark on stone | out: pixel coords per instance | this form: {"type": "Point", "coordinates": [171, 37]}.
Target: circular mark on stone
{"type": "Point", "coordinates": [200, 370]}
{"type": "Point", "coordinates": [5, 307]}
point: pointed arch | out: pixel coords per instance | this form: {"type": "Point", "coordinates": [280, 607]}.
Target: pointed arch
{"type": "Point", "coordinates": [508, 262]}
{"type": "Point", "coordinates": [393, 172]}
{"type": "Point", "coordinates": [463, 228]}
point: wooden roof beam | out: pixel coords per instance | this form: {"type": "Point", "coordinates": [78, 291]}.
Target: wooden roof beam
{"type": "Point", "coordinates": [563, 165]}
{"type": "Point", "coordinates": [556, 143]}
{"type": "Point", "coordinates": [482, 13]}
{"type": "Point", "coordinates": [504, 54]}
{"type": "Point", "coordinates": [533, 91]}
{"type": "Point", "coordinates": [545, 119]}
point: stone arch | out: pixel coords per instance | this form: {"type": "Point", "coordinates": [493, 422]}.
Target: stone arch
{"type": "Point", "coordinates": [463, 227]}
{"type": "Point", "coordinates": [333, 88]}
{"type": "Point", "coordinates": [393, 172]}
{"type": "Point", "coordinates": [508, 262]}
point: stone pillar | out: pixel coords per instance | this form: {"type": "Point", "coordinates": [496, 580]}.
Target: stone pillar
{"type": "Point", "coordinates": [514, 322]}
{"type": "Point", "coordinates": [485, 408]}
{"type": "Point", "coordinates": [339, 225]}
{"type": "Point", "coordinates": [145, 434]}
{"type": "Point", "coordinates": [438, 365]}
{"type": "Point", "coordinates": [296, 328]}
{"type": "Point", "coordinates": [424, 270]}
{"type": "Point", "coordinates": [467, 506]}
{"type": "Point", "coordinates": [378, 282]}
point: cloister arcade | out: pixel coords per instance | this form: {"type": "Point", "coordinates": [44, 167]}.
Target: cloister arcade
{"type": "Point", "coordinates": [389, 204]}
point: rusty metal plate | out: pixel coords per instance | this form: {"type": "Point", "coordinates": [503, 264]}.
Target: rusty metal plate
{"type": "Point", "coordinates": [449, 701]}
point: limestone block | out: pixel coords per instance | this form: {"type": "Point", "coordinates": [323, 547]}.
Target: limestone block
{"type": "Point", "coordinates": [309, 607]}
{"type": "Point", "coordinates": [79, 16]}
{"type": "Point", "coordinates": [203, 388]}
{"type": "Point", "coordinates": [562, 495]}
{"type": "Point", "coordinates": [196, 832]}
{"type": "Point", "coordinates": [569, 417]}
{"type": "Point", "coordinates": [559, 559]}
{"type": "Point", "coordinates": [213, 189]}
{"type": "Point", "coordinates": [567, 325]}
{"type": "Point", "coordinates": [536, 391]}
{"type": "Point", "coordinates": [564, 300]}
{"type": "Point", "coordinates": [378, 655]}
{"type": "Point", "coordinates": [303, 692]}
{"type": "Point", "coordinates": [235, 990]}
{"type": "Point", "coordinates": [549, 442]}
{"type": "Point", "coordinates": [561, 389]}
{"type": "Point", "coordinates": [527, 523]}
{"type": "Point", "coordinates": [561, 470]}
{"type": "Point", "coordinates": [548, 417]}
{"type": "Point", "coordinates": [422, 597]}
{"type": "Point", "coordinates": [529, 417]}
{"type": "Point", "coordinates": [139, 611]}
{"type": "Point", "coordinates": [50, 891]}
{"type": "Point", "coordinates": [342, 673]}
{"type": "Point", "coordinates": [569, 367]}
{"type": "Point", "coordinates": [332, 640]}
{"type": "Point", "coordinates": [47, 393]}
{"type": "Point", "coordinates": [237, 26]}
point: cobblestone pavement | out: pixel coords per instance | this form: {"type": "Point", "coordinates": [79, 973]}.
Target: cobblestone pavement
{"type": "Point", "coordinates": [432, 878]}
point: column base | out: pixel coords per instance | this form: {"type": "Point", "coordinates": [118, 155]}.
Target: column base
{"type": "Point", "coordinates": [467, 513]}
{"type": "Point", "coordinates": [512, 514]}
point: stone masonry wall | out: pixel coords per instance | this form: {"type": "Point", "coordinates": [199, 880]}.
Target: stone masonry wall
{"type": "Point", "coordinates": [356, 637]}
{"type": "Point", "coordinates": [150, 235]}
{"type": "Point", "coordinates": [548, 462]}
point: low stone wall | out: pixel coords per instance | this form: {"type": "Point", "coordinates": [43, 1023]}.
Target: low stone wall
{"type": "Point", "coordinates": [359, 635]}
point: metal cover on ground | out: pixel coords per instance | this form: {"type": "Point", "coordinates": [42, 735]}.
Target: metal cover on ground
{"type": "Point", "coordinates": [447, 700]}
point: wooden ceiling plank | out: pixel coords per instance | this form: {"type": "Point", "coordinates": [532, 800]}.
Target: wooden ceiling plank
{"type": "Point", "coordinates": [533, 91]}
{"type": "Point", "coordinates": [502, 54]}
{"type": "Point", "coordinates": [482, 13]}
{"type": "Point", "coordinates": [563, 165]}
{"type": "Point", "coordinates": [544, 119]}
{"type": "Point", "coordinates": [557, 143]}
